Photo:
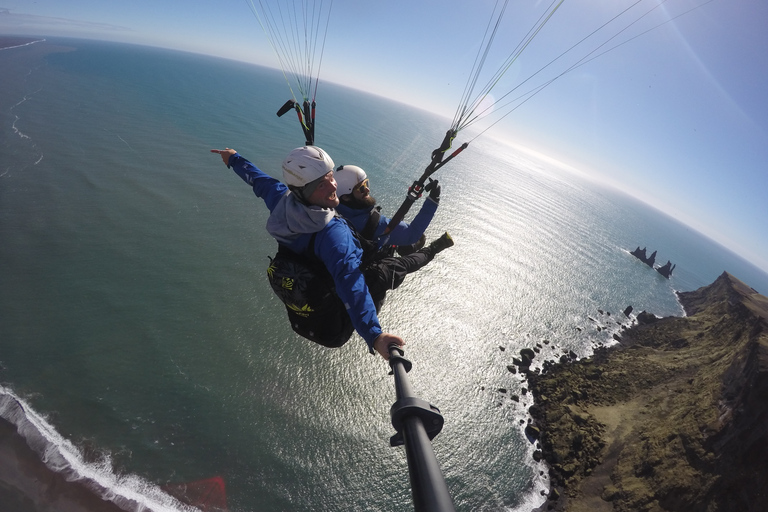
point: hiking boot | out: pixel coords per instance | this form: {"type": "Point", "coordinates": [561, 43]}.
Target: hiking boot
{"type": "Point", "coordinates": [441, 243]}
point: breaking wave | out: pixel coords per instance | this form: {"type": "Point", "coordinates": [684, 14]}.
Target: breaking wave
{"type": "Point", "coordinates": [129, 492]}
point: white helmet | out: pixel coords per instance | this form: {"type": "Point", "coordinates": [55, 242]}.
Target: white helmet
{"type": "Point", "coordinates": [306, 164]}
{"type": "Point", "coordinates": [347, 177]}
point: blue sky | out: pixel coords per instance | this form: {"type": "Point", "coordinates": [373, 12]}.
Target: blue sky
{"type": "Point", "coordinates": [677, 117]}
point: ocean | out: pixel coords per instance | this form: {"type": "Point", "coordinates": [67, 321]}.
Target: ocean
{"type": "Point", "coordinates": [141, 345]}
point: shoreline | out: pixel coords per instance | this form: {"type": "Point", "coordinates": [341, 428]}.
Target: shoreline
{"type": "Point", "coordinates": [28, 485]}
{"type": "Point", "coordinates": [672, 418]}
{"type": "Point", "coordinates": [8, 42]}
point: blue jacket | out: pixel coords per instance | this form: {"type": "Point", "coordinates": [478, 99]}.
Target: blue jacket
{"type": "Point", "coordinates": [403, 234]}
{"type": "Point", "coordinates": [293, 224]}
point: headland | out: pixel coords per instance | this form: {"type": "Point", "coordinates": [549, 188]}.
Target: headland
{"type": "Point", "coordinates": [672, 418]}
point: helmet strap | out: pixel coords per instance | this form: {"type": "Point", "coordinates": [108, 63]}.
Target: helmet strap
{"type": "Point", "coordinates": [299, 192]}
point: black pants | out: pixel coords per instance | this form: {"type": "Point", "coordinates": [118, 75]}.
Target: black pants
{"type": "Point", "coordinates": [388, 273]}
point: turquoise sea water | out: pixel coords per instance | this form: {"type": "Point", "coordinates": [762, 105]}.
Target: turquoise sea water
{"type": "Point", "coordinates": [139, 332]}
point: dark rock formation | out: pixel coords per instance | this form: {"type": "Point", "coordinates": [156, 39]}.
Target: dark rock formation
{"type": "Point", "coordinates": [524, 363]}
{"type": "Point", "coordinates": [527, 354]}
{"type": "Point", "coordinates": [644, 318]}
{"type": "Point", "coordinates": [651, 259]}
{"type": "Point", "coordinates": [675, 418]}
{"type": "Point", "coordinates": [667, 269]}
{"type": "Point", "coordinates": [638, 253]}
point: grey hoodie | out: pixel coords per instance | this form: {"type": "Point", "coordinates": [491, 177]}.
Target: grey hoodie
{"type": "Point", "coordinates": [291, 219]}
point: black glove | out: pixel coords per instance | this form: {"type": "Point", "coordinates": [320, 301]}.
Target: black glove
{"type": "Point", "coordinates": [433, 187]}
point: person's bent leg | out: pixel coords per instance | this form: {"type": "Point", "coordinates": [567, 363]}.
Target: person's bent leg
{"type": "Point", "coordinates": [389, 273]}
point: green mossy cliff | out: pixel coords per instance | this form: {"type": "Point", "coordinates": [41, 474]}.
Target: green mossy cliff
{"type": "Point", "coordinates": [673, 418]}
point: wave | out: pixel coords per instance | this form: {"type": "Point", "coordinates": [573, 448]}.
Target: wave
{"type": "Point", "coordinates": [23, 136]}
{"type": "Point", "coordinates": [8, 43]}
{"type": "Point", "coordinates": [128, 492]}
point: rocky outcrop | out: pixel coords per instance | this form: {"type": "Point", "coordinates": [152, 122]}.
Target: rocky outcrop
{"type": "Point", "coordinates": [651, 259]}
{"type": "Point", "coordinates": [667, 269]}
{"type": "Point", "coordinates": [640, 254]}
{"type": "Point", "coordinates": [674, 418]}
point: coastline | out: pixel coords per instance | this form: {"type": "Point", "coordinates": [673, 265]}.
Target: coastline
{"type": "Point", "coordinates": [27, 485]}
{"type": "Point", "coordinates": [8, 42]}
{"type": "Point", "coordinates": [673, 418]}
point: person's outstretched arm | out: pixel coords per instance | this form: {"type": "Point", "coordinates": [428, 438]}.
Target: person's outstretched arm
{"type": "Point", "coordinates": [264, 186]}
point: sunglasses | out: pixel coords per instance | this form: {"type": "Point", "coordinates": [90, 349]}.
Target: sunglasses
{"type": "Point", "coordinates": [362, 184]}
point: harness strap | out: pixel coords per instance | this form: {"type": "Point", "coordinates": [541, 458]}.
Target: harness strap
{"type": "Point", "coordinates": [369, 231]}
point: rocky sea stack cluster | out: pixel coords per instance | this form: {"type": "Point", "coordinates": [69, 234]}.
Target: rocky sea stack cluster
{"type": "Point", "coordinates": [672, 418]}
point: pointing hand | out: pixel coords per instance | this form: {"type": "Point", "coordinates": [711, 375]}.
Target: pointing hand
{"type": "Point", "coordinates": [225, 154]}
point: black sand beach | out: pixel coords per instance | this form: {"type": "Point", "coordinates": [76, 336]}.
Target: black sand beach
{"type": "Point", "coordinates": [27, 485]}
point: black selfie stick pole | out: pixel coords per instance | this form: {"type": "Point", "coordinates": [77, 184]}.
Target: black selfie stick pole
{"type": "Point", "coordinates": [417, 423]}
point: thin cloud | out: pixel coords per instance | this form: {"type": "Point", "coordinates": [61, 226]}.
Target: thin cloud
{"type": "Point", "coordinates": [30, 23]}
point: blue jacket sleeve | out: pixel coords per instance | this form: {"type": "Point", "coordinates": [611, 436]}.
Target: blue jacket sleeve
{"type": "Point", "coordinates": [405, 233]}
{"type": "Point", "coordinates": [340, 251]}
{"type": "Point", "coordinates": [264, 186]}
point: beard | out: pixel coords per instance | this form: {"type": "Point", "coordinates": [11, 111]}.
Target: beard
{"type": "Point", "coordinates": [358, 204]}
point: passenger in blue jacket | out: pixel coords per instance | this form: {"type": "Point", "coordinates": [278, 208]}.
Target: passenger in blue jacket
{"type": "Point", "coordinates": [304, 205]}
{"type": "Point", "coordinates": [358, 206]}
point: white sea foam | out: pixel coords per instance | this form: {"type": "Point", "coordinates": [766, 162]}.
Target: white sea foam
{"type": "Point", "coordinates": [129, 492]}
{"type": "Point", "coordinates": [22, 45]}
{"type": "Point", "coordinates": [17, 131]}
{"type": "Point", "coordinates": [17, 118]}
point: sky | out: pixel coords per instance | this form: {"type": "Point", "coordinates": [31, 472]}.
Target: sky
{"type": "Point", "coordinates": [677, 116]}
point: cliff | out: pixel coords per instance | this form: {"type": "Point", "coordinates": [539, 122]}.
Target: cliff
{"type": "Point", "coordinates": [674, 418]}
